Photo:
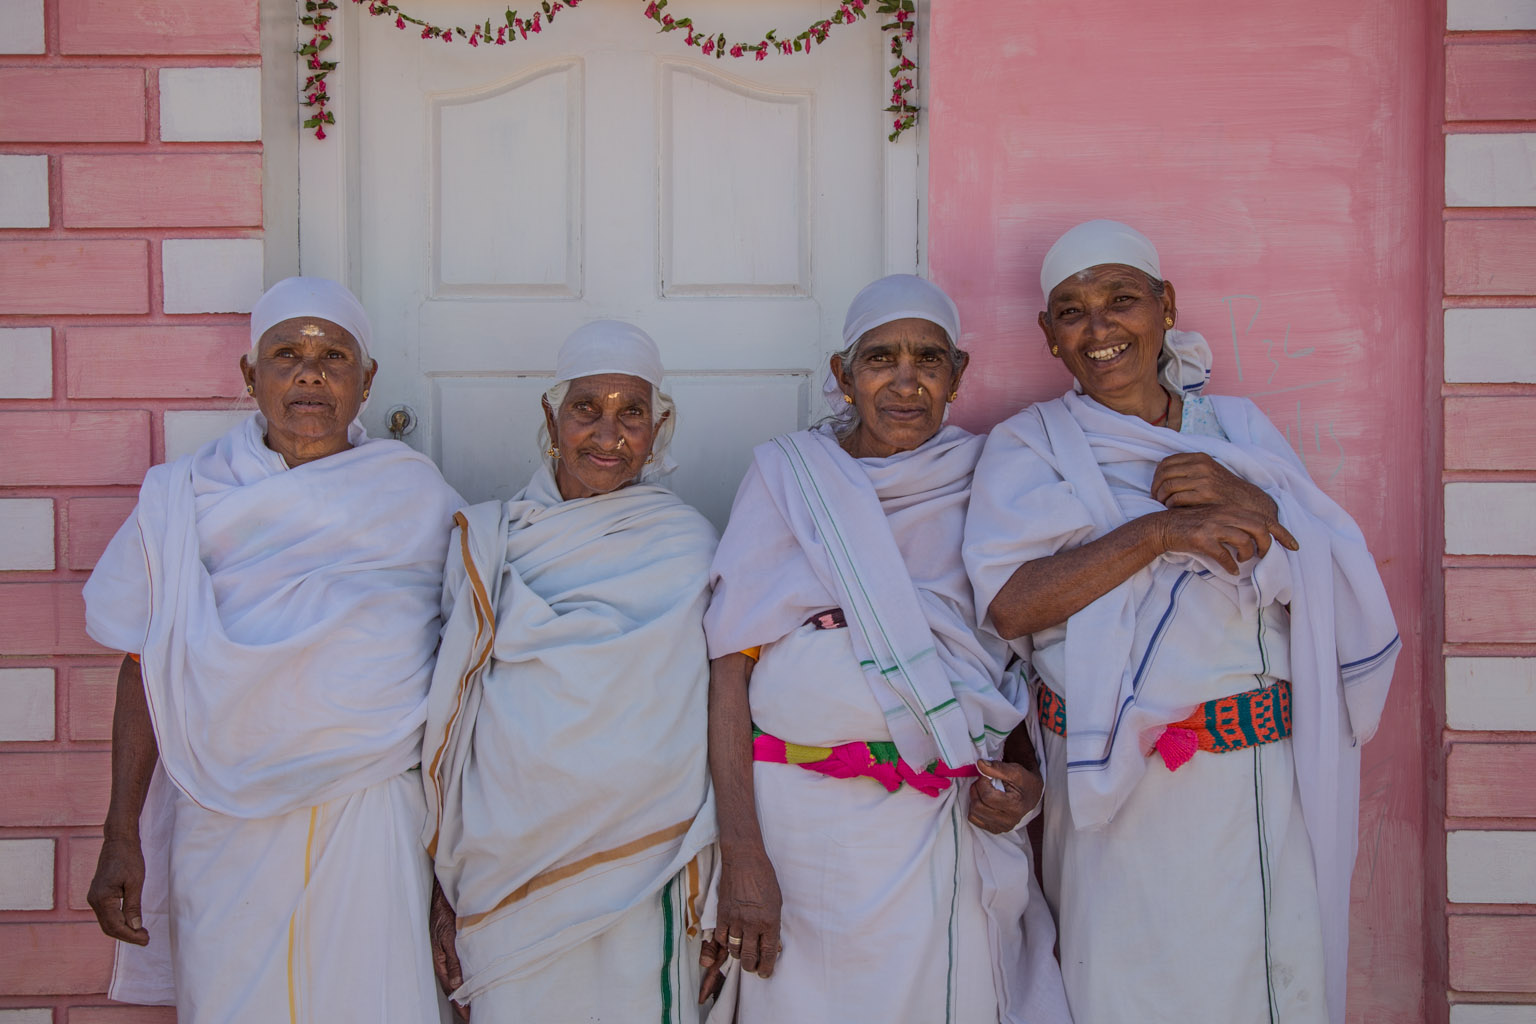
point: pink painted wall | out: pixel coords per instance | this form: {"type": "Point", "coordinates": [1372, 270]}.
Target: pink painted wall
{"type": "Point", "coordinates": [1278, 155]}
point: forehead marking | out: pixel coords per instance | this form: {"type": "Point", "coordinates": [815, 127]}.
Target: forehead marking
{"type": "Point", "coordinates": [312, 331]}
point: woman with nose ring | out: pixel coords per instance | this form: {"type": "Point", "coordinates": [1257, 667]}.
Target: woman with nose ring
{"type": "Point", "coordinates": [1209, 642]}
{"type": "Point", "coordinates": [862, 744]}
{"type": "Point", "coordinates": [565, 757]}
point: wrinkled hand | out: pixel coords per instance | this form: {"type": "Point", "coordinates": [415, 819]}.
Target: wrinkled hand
{"type": "Point", "coordinates": [749, 905]}
{"type": "Point", "coordinates": [1220, 532]}
{"type": "Point", "coordinates": [443, 926]}
{"type": "Point", "coordinates": [1001, 810]}
{"type": "Point", "coordinates": [117, 890]}
{"type": "Point", "coordinates": [1186, 479]}
{"type": "Point", "coordinates": [712, 960]}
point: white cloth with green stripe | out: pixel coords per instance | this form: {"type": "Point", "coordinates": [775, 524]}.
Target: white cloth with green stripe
{"type": "Point", "coordinates": [895, 907]}
{"type": "Point", "coordinates": [830, 522]}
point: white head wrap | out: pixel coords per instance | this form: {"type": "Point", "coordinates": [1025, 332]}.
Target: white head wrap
{"type": "Point", "coordinates": [897, 297]}
{"type": "Point", "coordinates": [311, 296]}
{"type": "Point", "coordinates": [613, 346]}
{"type": "Point", "coordinates": [1093, 243]}
{"type": "Point", "coordinates": [609, 346]}
{"type": "Point", "coordinates": [1185, 364]}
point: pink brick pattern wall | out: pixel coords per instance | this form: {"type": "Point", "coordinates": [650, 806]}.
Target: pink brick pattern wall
{"type": "Point", "coordinates": [90, 106]}
{"type": "Point", "coordinates": [1489, 427]}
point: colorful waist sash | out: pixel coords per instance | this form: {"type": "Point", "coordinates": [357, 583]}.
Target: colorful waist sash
{"type": "Point", "coordinates": [1245, 719]}
{"type": "Point", "coordinates": [876, 759]}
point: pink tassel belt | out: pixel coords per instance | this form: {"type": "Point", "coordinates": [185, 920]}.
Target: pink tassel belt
{"type": "Point", "coordinates": [1218, 726]}
{"type": "Point", "coordinates": [876, 759]}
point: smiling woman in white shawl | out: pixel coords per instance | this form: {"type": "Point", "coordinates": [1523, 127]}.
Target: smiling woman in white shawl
{"type": "Point", "coordinates": [1211, 643]}
{"type": "Point", "coordinates": [277, 593]}
{"type": "Point", "coordinates": [570, 812]}
{"type": "Point", "coordinates": [867, 874]}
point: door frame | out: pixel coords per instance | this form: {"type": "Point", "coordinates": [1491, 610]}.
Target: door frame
{"type": "Point", "coordinates": [309, 188]}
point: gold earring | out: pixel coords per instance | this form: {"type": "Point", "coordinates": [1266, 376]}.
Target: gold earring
{"type": "Point", "coordinates": [552, 452]}
{"type": "Point", "coordinates": [1055, 351]}
{"type": "Point", "coordinates": [1167, 321]}
{"type": "Point", "coordinates": [250, 389]}
{"type": "Point", "coordinates": [954, 394]}
{"type": "Point", "coordinates": [650, 458]}
{"type": "Point", "coordinates": [848, 399]}
{"type": "Point", "coordinates": [365, 394]}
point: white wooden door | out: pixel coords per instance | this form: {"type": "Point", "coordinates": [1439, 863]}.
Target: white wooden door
{"type": "Point", "coordinates": [484, 203]}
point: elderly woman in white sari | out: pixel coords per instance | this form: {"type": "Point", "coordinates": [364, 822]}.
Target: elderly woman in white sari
{"type": "Point", "coordinates": [277, 593]}
{"type": "Point", "coordinates": [570, 809]}
{"type": "Point", "coordinates": [1210, 642]}
{"type": "Point", "coordinates": [867, 873]}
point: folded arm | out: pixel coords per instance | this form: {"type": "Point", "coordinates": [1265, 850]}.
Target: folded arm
{"type": "Point", "coordinates": [1210, 513]}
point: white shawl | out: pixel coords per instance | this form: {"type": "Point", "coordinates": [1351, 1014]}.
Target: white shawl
{"type": "Point", "coordinates": [565, 758]}
{"type": "Point", "coordinates": [813, 528]}
{"type": "Point", "coordinates": [1040, 489]}
{"type": "Point", "coordinates": [286, 618]}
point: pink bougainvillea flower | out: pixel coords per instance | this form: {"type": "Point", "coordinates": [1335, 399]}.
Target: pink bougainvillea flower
{"type": "Point", "coordinates": [650, 11]}
{"type": "Point", "coordinates": [736, 50]}
{"type": "Point", "coordinates": [501, 36]}
{"type": "Point", "coordinates": [426, 33]}
{"type": "Point", "coordinates": [474, 39]}
{"type": "Point", "coordinates": [319, 132]}
{"type": "Point", "coordinates": [448, 36]}
{"type": "Point", "coordinates": [708, 47]}
{"type": "Point", "coordinates": [399, 22]}
{"type": "Point", "coordinates": [901, 15]}
{"type": "Point", "coordinates": [762, 52]}
{"type": "Point", "coordinates": [534, 26]}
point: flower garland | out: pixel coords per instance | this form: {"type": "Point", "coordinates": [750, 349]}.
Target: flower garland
{"type": "Point", "coordinates": [512, 26]}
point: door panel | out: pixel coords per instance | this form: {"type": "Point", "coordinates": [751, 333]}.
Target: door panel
{"type": "Point", "coordinates": [496, 199]}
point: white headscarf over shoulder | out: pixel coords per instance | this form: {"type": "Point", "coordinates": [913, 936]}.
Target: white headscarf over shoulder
{"type": "Point", "coordinates": [895, 297]}
{"type": "Point", "coordinates": [1185, 364]}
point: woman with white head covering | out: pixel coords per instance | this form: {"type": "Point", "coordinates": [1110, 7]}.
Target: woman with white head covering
{"type": "Point", "coordinates": [570, 814]}
{"type": "Point", "coordinates": [277, 593]}
{"type": "Point", "coordinates": [867, 873]}
{"type": "Point", "coordinates": [1210, 644]}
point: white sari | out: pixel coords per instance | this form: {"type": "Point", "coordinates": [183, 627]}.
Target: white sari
{"type": "Point", "coordinates": [286, 621]}
{"type": "Point", "coordinates": [1176, 634]}
{"type": "Point", "coordinates": [895, 907]}
{"type": "Point", "coordinates": [566, 752]}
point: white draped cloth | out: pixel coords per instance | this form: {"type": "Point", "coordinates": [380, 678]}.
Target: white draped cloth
{"type": "Point", "coordinates": [895, 907]}
{"type": "Point", "coordinates": [286, 621]}
{"type": "Point", "coordinates": [565, 758]}
{"type": "Point", "coordinates": [1145, 654]}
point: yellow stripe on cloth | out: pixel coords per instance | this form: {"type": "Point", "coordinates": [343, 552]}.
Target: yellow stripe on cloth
{"type": "Point", "coordinates": [309, 845]}
{"type": "Point", "coordinates": [560, 874]}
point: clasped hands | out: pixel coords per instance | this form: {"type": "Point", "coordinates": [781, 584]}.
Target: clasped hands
{"type": "Point", "coordinates": [1212, 512]}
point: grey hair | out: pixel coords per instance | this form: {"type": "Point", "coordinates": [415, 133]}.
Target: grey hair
{"type": "Point", "coordinates": [846, 420]}
{"type": "Point", "coordinates": [661, 405]}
